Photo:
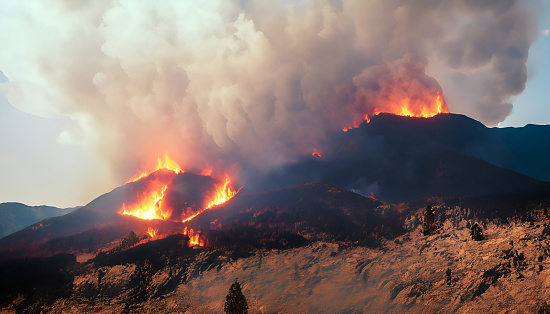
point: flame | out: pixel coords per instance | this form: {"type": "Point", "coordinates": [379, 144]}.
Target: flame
{"type": "Point", "coordinates": [150, 204]}
{"type": "Point", "coordinates": [316, 152]}
{"type": "Point", "coordinates": [152, 232]}
{"type": "Point", "coordinates": [195, 238]}
{"type": "Point", "coordinates": [167, 164]}
{"type": "Point", "coordinates": [408, 107]}
{"type": "Point", "coordinates": [223, 194]}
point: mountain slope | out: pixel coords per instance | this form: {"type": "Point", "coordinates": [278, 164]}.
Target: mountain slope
{"type": "Point", "coordinates": [16, 216]}
{"type": "Point", "coordinates": [400, 159]}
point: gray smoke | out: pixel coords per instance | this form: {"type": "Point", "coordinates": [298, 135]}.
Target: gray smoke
{"type": "Point", "coordinates": [257, 82]}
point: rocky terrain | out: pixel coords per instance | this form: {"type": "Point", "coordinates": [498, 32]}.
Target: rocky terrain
{"type": "Point", "coordinates": [508, 270]}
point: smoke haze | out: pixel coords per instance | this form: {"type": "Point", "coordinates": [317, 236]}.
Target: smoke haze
{"type": "Point", "coordinates": [235, 84]}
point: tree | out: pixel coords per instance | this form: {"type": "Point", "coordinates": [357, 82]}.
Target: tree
{"type": "Point", "coordinates": [429, 221]}
{"type": "Point", "coordinates": [477, 233]}
{"type": "Point", "coordinates": [235, 302]}
{"type": "Point", "coordinates": [130, 240]}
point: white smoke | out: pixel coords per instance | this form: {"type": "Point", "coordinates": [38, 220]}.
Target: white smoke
{"type": "Point", "coordinates": [261, 82]}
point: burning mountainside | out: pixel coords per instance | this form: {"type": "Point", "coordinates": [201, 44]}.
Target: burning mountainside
{"type": "Point", "coordinates": [426, 106]}
{"type": "Point", "coordinates": [157, 198]}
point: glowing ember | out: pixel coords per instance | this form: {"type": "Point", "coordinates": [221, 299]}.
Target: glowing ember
{"type": "Point", "coordinates": [167, 164]}
{"type": "Point", "coordinates": [223, 194]}
{"type": "Point", "coordinates": [408, 107]}
{"type": "Point", "coordinates": [150, 204]}
{"type": "Point", "coordinates": [316, 152]}
{"type": "Point", "coordinates": [152, 232]}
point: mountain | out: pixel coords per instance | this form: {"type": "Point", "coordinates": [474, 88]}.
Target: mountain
{"type": "Point", "coordinates": [100, 221]}
{"type": "Point", "coordinates": [311, 236]}
{"type": "Point", "coordinates": [16, 216]}
{"type": "Point", "coordinates": [399, 159]}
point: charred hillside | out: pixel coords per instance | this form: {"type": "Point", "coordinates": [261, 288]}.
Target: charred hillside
{"type": "Point", "coordinates": [399, 159]}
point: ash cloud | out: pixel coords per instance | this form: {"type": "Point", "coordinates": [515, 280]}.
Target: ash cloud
{"type": "Point", "coordinates": [253, 84]}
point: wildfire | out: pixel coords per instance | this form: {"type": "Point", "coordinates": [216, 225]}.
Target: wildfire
{"type": "Point", "coordinates": [408, 107]}
{"type": "Point", "coordinates": [150, 200]}
{"type": "Point", "coordinates": [223, 194]}
{"type": "Point", "coordinates": [167, 164]}
{"type": "Point", "coordinates": [316, 152]}
{"type": "Point", "coordinates": [195, 238]}
{"type": "Point", "coordinates": [152, 232]}
{"type": "Point", "coordinates": [150, 204]}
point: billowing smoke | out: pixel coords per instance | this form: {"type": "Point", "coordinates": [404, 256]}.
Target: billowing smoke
{"type": "Point", "coordinates": [228, 83]}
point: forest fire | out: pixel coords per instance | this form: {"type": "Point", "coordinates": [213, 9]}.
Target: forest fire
{"type": "Point", "coordinates": [316, 152]}
{"type": "Point", "coordinates": [152, 232]}
{"type": "Point", "coordinates": [150, 204]}
{"type": "Point", "coordinates": [195, 237]}
{"type": "Point", "coordinates": [223, 194]}
{"type": "Point", "coordinates": [167, 164]}
{"type": "Point", "coordinates": [408, 107]}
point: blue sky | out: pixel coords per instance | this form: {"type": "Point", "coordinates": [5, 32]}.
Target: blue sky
{"type": "Point", "coordinates": [533, 105]}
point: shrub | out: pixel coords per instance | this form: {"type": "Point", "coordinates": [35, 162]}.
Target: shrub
{"type": "Point", "coordinates": [477, 233]}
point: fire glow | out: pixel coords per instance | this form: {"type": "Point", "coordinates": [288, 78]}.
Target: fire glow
{"type": "Point", "coordinates": [167, 164]}
{"type": "Point", "coordinates": [195, 238]}
{"type": "Point", "coordinates": [408, 107]}
{"type": "Point", "coordinates": [152, 232]}
{"type": "Point", "coordinates": [150, 204]}
{"type": "Point", "coordinates": [223, 194]}
{"type": "Point", "coordinates": [150, 200]}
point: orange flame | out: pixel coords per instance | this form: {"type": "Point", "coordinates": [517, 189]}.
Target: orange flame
{"type": "Point", "coordinates": [195, 238]}
{"type": "Point", "coordinates": [223, 194]}
{"type": "Point", "coordinates": [152, 232]}
{"type": "Point", "coordinates": [167, 164]}
{"type": "Point", "coordinates": [316, 152]}
{"type": "Point", "coordinates": [408, 108]}
{"type": "Point", "coordinates": [150, 205]}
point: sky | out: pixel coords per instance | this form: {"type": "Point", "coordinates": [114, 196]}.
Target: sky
{"type": "Point", "coordinates": [92, 92]}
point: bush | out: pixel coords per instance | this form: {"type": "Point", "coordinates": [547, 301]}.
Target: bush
{"type": "Point", "coordinates": [477, 233]}
{"type": "Point", "coordinates": [235, 302]}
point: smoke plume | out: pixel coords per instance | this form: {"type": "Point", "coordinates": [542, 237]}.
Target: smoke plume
{"type": "Point", "coordinates": [233, 83]}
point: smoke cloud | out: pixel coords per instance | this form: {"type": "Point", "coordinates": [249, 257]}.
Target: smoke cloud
{"type": "Point", "coordinates": [250, 83]}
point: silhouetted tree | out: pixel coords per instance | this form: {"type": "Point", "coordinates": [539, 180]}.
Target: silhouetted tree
{"type": "Point", "coordinates": [477, 233]}
{"type": "Point", "coordinates": [429, 221]}
{"type": "Point", "coordinates": [235, 302]}
{"type": "Point", "coordinates": [129, 240]}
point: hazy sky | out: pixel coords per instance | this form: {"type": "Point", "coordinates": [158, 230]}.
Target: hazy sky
{"type": "Point", "coordinates": [92, 91]}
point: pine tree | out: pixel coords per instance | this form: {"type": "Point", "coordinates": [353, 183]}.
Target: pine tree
{"type": "Point", "coordinates": [130, 240]}
{"type": "Point", "coordinates": [477, 233]}
{"type": "Point", "coordinates": [235, 302]}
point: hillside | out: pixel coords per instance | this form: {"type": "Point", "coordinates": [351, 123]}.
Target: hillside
{"type": "Point", "coordinates": [16, 216]}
